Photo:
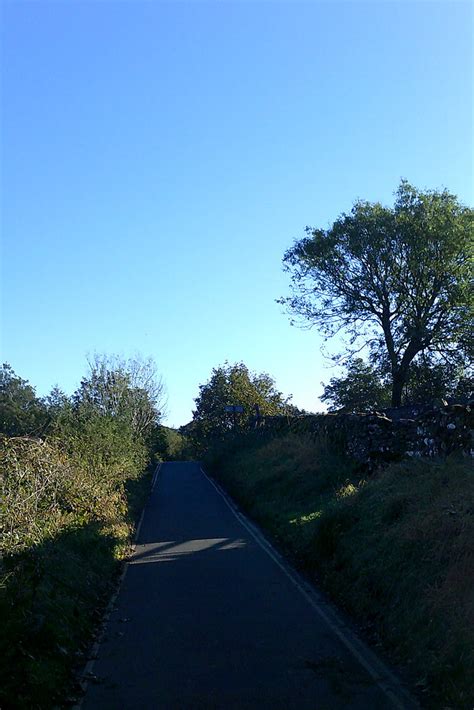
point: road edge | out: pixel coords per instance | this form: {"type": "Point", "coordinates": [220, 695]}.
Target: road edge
{"type": "Point", "coordinates": [386, 679]}
{"type": "Point", "coordinates": [86, 675]}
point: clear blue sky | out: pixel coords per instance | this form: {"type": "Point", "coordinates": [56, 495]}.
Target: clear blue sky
{"type": "Point", "coordinates": [158, 158]}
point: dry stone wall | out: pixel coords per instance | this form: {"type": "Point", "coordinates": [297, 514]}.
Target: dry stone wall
{"type": "Point", "coordinates": [374, 439]}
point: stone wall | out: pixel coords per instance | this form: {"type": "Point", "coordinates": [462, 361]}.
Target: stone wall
{"type": "Point", "coordinates": [373, 439]}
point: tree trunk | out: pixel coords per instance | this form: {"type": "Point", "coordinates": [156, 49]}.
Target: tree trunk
{"type": "Point", "coordinates": [398, 380]}
{"type": "Point", "coordinates": [400, 371]}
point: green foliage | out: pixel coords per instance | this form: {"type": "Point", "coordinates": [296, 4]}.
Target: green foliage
{"type": "Point", "coordinates": [396, 280]}
{"type": "Point", "coordinates": [394, 549]}
{"type": "Point", "coordinates": [174, 445]}
{"type": "Point", "coordinates": [34, 485]}
{"type": "Point", "coordinates": [360, 390]}
{"type": "Point", "coordinates": [21, 412]}
{"type": "Point", "coordinates": [364, 388]}
{"type": "Point", "coordinates": [65, 520]}
{"type": "Point", "coordinates": [128, 390]}
{"type": "Point", "coordinates": [234, 385]}
{"type": "Point", "coordinates": [68, 502]}
{"type": "Point", "coordinates": [430, 379]}
{"type": "Point", "coordinates": [50, 603]}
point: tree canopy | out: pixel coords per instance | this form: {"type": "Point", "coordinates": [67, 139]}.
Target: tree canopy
{"type": "Point", "coordinates": [359, 390]}
{"type": "Point", "coordinates": [235, 385]}
{"type": "Point", "coordinates": [396, 280]}
{"type": "Point", "coordinates": [117, 407]}
{"type": "Point", "coordinates": [430, 379]}
{"type": "Point", "coordinates": [21, 412]}
{"type": "Point", "coordinates": [364, 387]}
{"type": "Point", "coordinates": [129, 390]}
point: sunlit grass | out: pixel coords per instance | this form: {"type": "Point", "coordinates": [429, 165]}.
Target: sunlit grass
{"type": "Point", "coordinates": [348, 489]}
{"type": "Point", "coordinates": [302, 519]}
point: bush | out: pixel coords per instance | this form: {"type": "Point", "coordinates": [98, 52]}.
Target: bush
{"type": "Point", "coordinates": [68, 503]}
{"type": "Point", "coordinates": [65, 522]}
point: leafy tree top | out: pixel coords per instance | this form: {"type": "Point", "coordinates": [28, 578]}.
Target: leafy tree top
{"type": "Point", "coordinates": [359, 390]}
{"type": "Point", "coordinates": [21, 412]}
{"type": "Point", "coordinates": [398, 280]}
{"type": "Point", "coordinates": [235, 385]}
{"type": "Point", "coordinates": [129, 390]}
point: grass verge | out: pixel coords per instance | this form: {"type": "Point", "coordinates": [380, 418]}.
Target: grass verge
{"type": "Point", "coordinates": [395, 550]}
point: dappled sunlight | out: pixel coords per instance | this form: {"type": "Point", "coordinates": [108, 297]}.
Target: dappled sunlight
{"type": "Point", "coordinates": [347, 490]}
{"type": "Point", "coordinates": [303, 519]}
{"type": "Point", "coordinates": [173, 550]}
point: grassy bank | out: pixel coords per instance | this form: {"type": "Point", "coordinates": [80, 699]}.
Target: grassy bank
{"type": "Point", "coordinates": [396, 550]}
{"type": "Point", "coordinates": [66, 520]}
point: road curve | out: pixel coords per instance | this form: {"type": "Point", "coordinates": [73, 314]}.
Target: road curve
{"type": "Point", "coordinates": [206, 619]}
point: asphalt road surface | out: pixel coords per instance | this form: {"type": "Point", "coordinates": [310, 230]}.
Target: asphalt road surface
{"type": "Point", "coordinates": [206, 619]}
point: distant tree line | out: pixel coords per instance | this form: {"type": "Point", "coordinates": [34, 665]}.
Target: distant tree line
{"type": "Point", "coordinates": [255, 394]}
{"type": "Point", "coordinates": [107, 432]}
{"type": "Point", "coordinates": [118, 397]}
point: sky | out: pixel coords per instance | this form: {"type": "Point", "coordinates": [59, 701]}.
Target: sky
{"type": "Point", "coordinates": [158, 158]}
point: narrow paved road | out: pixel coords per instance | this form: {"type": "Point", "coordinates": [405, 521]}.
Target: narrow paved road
{"type": "Point", "coordinates": [206, 619]}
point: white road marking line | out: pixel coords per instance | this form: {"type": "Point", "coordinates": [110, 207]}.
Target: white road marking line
{"type": "Point", "coordinates": [155, 475]}
{"type": "Point", "coordinates": [382, 676]}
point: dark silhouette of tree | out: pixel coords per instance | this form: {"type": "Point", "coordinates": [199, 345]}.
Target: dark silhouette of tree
{"type": "Point", "coordinates": [234, 385]}
{"type": "Point", "coordinates": [397, 280]}
{"type": "Point", "coordinates": [359, 390]}
{"type": "Point", "coordinates": [22, 413]}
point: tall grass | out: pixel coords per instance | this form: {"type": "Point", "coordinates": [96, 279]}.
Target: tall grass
{"type": "Point", "coordinates": [395, 549]}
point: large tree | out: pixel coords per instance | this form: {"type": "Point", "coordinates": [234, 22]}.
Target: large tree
{"type": "Point", "coordinates": [21, 412]}
{"type": "Point", "coordinates": [360, 389]}
{"type": "Point", "coordinates": [234, 385]}
{"type": "Point", "coordinates": [130, 390]}
{"type": "Point", "coordinates": [396, 280]}
{"type": "Point", "coordinates": [431, 380]}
